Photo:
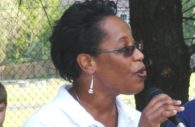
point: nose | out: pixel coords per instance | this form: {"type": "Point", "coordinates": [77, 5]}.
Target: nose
{"type": "Point", "coordinates": [138, 55]}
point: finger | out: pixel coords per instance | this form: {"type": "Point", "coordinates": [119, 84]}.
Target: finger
{"type": "Point", "coordinates": [158, 101]}
{"type": "Point", "coordinates": [165, 105]}
{"type": "Point", "coordinates": [163, 99]}
{"type": "Point", "coordinates": [161, 108]}
{"type": "Point", "coordinates": [159, 98]}
{"type": "Point", "coordinates": [169, 113]}
{"type": "Point", "coordinates": [174, 107]}
{"type": "Point", "coordinates": [156, 117]}
{"type": "Point", "coordinates": [163, 111]}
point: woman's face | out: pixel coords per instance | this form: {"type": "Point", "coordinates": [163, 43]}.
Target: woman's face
{"type": "Point", "coordinates": [115, 71]}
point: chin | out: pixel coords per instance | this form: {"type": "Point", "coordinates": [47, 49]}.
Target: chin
{"type": "Point", "coordinates": [133, 91]}
{"type": "Point", "coordinates": [138, 89]}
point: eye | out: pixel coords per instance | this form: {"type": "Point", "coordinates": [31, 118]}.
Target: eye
{"type": "Point", "coordinates": [124, 49]}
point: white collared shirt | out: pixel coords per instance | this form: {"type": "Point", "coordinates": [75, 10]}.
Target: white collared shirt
{"type": "Point", "coordinates": [65, 111]}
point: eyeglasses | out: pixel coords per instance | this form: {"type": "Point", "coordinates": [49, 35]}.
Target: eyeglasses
{"type": "Point", "coordinates": [126, 50]}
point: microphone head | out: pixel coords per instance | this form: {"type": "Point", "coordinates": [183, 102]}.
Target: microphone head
{"type": "Point", "coordinates": [150, 93]}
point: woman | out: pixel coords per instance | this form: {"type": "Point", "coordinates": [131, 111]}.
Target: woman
{"type": "Point", "coordinates": [94, 49]}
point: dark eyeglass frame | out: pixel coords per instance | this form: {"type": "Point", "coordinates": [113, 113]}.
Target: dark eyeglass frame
{"type": "Point", "coordinates": [127, 50]}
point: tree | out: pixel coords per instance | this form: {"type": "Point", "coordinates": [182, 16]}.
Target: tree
{"type": "Point", "coordinates": [159, 24]}
{"type": "Point", "coordinates": [188, 21]}
{"type": "Point", "coordinates": [189, 29]}
{"type": "Point", "coordinates": [6, 26]}
{"type": "Point", "coordinates": [29, 25]}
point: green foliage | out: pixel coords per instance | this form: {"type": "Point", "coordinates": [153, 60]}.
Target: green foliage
{"type": "Point", "coordinates": [5, 26]}
{"type": "Point", "coordinates": [27, 29]}
{"type": "Point", "coordinates": [26, 26]}
{"type": "Point", "coordinates": [189, 21]}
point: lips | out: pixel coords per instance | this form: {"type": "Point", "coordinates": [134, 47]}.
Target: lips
{"type": "Point", "coordinates": [142, 72]}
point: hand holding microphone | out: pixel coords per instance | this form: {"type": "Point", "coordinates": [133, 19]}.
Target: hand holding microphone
{"type": "Point", "coordinates": [160, 107]}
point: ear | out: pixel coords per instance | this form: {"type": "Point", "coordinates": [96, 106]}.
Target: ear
{"type": "Point", "coordinates": [86, 63]}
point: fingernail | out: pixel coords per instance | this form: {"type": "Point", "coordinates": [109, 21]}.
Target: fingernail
{"type": "Point", "coordinates": [175, 111]}
{"type": "Point", "coordinates": [178, 102]}
{"type": "Point", "coordinates": [182, 108]}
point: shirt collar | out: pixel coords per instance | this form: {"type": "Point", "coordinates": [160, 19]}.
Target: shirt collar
{"type": "Point", "coordinates": [126, 114]}
{"type": "Point", "coordinates": [73, 109]}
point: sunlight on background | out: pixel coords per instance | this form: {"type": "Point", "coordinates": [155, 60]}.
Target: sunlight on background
{"type": "Point", "coordinates": [192, 87]}
{"type": "Point", "coordinates": [26, 96]}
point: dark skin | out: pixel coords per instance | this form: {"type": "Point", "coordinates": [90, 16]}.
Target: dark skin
{"type": "Point", "coordinates": [116, 74]}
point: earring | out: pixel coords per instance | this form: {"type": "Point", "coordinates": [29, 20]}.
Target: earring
{"type": "Point", "coordinates": [90, 91]}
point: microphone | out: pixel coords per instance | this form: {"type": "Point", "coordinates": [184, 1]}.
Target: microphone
{"type": "Point", "coordinates": [150, 93]}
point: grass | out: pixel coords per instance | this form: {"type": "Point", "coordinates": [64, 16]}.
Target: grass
{"type": "Point", "coordinates": [25, 98]}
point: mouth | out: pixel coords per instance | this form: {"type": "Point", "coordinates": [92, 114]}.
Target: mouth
{"type": "Point", "coordinates": [142, 73]}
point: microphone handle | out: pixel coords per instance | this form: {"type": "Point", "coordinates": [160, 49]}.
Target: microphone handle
{"type": "Point", "coordinates": [176, 121]}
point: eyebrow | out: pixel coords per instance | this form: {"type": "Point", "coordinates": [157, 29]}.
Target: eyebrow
{"type": "Point", "coordinates": [122, 38]}
{"type": "Point", "coordinates": [125, 38]}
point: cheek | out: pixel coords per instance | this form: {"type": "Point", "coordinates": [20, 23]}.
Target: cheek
{"type": "Point", "coordinates": [120, 75]}
{"type": "Point", "coordinates": [112, 71]}
{"type": "Point", "coordinates": [132, 84]}
{"type": "Point", "coordinates": [115, 68]}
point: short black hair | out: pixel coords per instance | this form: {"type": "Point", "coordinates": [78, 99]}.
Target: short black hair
{"type": "Point", "coordinates": [78, 31]}
{"type": "Point", "coordinates": [3, 94]}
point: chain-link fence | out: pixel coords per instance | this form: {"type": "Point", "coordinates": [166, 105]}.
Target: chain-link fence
{"type": "Point", "coordinates": [25, 67]}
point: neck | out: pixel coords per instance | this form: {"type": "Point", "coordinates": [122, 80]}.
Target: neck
{"type": "Point", "coordinates": [94, 101]}
{"type": "Point", "coordinates": [101, 104]}
{"type": "Point", "coordinates": [103, 109]}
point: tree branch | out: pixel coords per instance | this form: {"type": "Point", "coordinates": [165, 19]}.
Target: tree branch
{"type": "Point", "coordinates": [190, 38]}
{"type": "Point", "coordinates": [45, 13]}
{"type": "Point", "coordinates": [20, 2]}
{"type": "Point", "coordinates": [189, 9]}
{"type": "Point", "coordinates": [188, 18]}
{"type": "Point", "coordinates": [185, 2]}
